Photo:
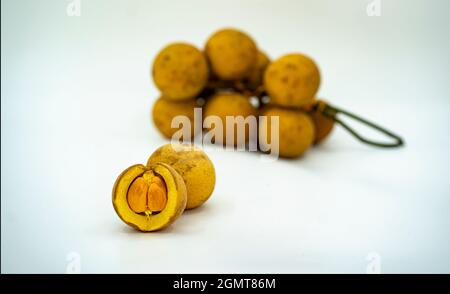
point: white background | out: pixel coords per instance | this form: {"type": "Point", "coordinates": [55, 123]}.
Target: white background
{"type": "Point", "coordinates": [75, 111]}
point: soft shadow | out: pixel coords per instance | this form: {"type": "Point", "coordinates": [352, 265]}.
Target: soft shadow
{"type": "Point", "coordinates": [188, 221]}
{"type": "Point", "coordinates": [125, 229]}
{"type": "Point", "coordinates": [204, 209]}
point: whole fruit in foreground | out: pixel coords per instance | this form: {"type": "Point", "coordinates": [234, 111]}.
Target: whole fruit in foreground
{"type": "Point", "coordinates": [292, 80]}
{"type": "Point", "coordinates": [180, 71]}
{"type": "Point", "coordinates": [295, 132]}
{"type": "Point", "coordinates": [164, 110]}
{"type": "Point", "coordinates": [193, 165]}
{"type": "Point", "coordinates": [232, 54]}
{"type": "Point", "coordinates": [149, 198]}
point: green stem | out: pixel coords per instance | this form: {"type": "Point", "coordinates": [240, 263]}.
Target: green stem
{"type": "Point", "coordinates": [332, 112]}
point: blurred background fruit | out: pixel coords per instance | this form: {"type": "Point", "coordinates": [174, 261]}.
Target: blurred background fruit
{"type": "Point", "coordinates": [292, 80]}
{"type": "Point", "coordinates": [230, 104]}
{"type": "Point", "coordinates": [295, 131]}
{"type": "Point", "coordinates": [180, 71]}
{"type": "Point", "coordinates": [164, 110]}
{"type": "Point", "coordinates": [231, 53]}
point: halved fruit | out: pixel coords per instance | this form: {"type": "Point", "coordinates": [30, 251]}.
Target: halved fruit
{"type": "Point", "coordinates": [149, 198]}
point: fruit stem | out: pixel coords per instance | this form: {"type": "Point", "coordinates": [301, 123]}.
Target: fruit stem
{"type": "Point", "coordinates": [326, 109]}
{"type": "Point", "coordinates": [332, 111]}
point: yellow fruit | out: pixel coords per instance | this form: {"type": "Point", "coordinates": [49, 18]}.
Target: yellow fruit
{"type": "Point", "coordinates": [295, 131]}
{"type": "Point", "coordinates": [292, 80]}
{"type": "Point", "coordinates": [149, 198]}
{"type": "Point", "coordinates": [230, 105]}
{"type": "Point", "coordinates": [193, 165]}
{"type": "Point", "coordinates": [323, 124]}
{"type": "Point", "coordinates": [232, 54]}
{"type": "Point", "coordinates": [180, 71]}
{"type": "Point", "coordinates": [255, 78]}
{"type": "Point", "coordinates": [164, 110]}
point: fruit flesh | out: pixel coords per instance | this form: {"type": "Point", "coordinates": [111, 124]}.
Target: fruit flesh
{"type": "Point", "coordinates": [146, 196]}
{"type": "Point", "coordinates": [230, 104]}
{"type": "Point", "coordinates": [157, 195]}
{"type": "Point", "coordinates": [292, 80]}
{"type": "Point", "coordinates": [295, 132]}
{"type": "Point", "coordinates": [180, 71]}
{"type": "Point", "coordinates": [231, 53]}
{"type": "Point", "coordinates": [137, 195]}
{"type": "Point", "coordinates": [174, 207]}
{"type": "Point", "coordinates": [193, 165]}
{"type": "Point", "coordinates": [165, 110]}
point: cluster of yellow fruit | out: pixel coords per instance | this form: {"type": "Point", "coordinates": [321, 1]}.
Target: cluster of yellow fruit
{"type": "Point", "coordinates": [226, 74]}
{"type": "Point", "coordinates": [152, 196]}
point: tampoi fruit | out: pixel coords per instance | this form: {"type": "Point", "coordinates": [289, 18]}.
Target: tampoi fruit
{"type": "Point", "coordinates": [295, 131]}
{"type": "Point", "coordinates": [322, 124]}
{"type": "Point", "coordinates": [232, 105]}
{"type": "Point", "coordinates": [164, 110]}
{"type": "Point", "coordinates": [180, 71]}
{"type": "Point", "coordinates": [193, 165]}
{"type": "Point", "coordinates": [255, 79]}
{"type": "Point", "coordinates": [292, 80]}
{"type": "Point", "coordinates": [149, 198]}
{"type": "Point", "coordinates": [232, 54]}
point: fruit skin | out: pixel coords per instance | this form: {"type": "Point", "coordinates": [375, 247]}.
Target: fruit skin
{"type": "Point", "coordinates": [296, 130]}
{"type": "Point", "coordinates": [164, 110]}
{"type": "Point", "coordinates": [323, 124]}
{"type": "Point", "coordinates": [232, 54]}
{"type": "Point", "coordinates": [292, 80]}
{"type": "Point", "coordinates": [176, 197]}
{"type": "Point", "coordinates": [255, 79]}
{"type": "Point", "coordinates": [180, 71]}
{"type": "Point", "coordinates": [229, 104]}
{"type": "Point", "coordinates": [193, 165]}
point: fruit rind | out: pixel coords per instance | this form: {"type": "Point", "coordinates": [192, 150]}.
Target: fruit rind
{"type": "Point", "coordinates": [164, 110]}
{"type": "Point", "coordinates": [255, 79]}
{"type": "Point", "coordinates": [323, 124]}
{"type": "Point", "coordinates": [231, 54]}
{"type": "Point", "coordinates": [176, 197]}
{"type": "Point", "coordinates": [230, 104]}
{"type": "Point", "coordinates": [295, 133]}
{"type": "Point", "coordinates": [193, 165]}
{"type": "Point", "coordinates": [180, 71]}
{"type": "Point", "coordinates": [292, 80]}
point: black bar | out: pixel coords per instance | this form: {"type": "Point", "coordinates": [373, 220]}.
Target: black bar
{"type": "Point", "coordinates": [214, 282]}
